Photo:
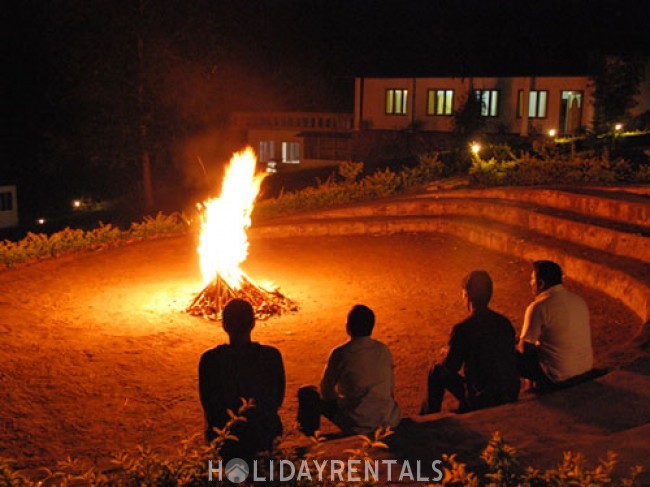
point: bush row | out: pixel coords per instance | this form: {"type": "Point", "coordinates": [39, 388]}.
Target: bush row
{"type": "Point", "coordinates": [348, 187]}
{"type": "Point", "coordinates": [189, 468]}
{"type": "Point", "coordinates": [502, 167]}
{"type": "Point", "coordinates": [38, 246]}
{"type": "Point", "coordinates": [499, 167]}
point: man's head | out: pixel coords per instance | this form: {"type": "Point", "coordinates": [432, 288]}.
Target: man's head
{"type": "Point", "coordinates": [238, 318]}
{"type": "Point", "coordinates": [477, 286]}
{"type": "Point", "coordinates": [545, 275]}
{"type": "Point", "coordinates": [361, 321]}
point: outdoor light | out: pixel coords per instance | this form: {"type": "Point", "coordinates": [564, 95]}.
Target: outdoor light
{"type": "Point", "coordinates": [618, 127]}
{"type": "Point", "coordinates": [476, 148]}
{"type": "Point", "coordinates": [552, 133]}
{"type": "Point", "coordinates": [41, 221]}
{"type": "Point", "coordinates": [76, 204]}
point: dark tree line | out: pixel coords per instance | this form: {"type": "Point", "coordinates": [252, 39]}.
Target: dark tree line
{"type": "Point", "coordinates": [101, 94]}
{"type": "Point", "coordinates": [107, 79]}
{"type": "Point", "coordinates": [616, 83]}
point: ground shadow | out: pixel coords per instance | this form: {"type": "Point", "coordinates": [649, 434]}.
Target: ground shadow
{"type": "Point", "coordinates": [425, 441]}
{"type": "Point", "coordinates": [608, 406]}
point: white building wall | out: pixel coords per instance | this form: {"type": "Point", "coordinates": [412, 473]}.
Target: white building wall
{"type": "Point", "coordinates": [8, 206]}
{"type": "Point", "coordinates": [370, 102]}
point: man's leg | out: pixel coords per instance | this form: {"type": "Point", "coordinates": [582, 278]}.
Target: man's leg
{"type": "Point", "coordinates": [439, 380]}
{"type": "Point", "coordinates": [309, 409]}
{"type": "Point", "coordinates": [529, 368]}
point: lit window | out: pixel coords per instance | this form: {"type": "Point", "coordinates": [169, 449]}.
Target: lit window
{"type": "Point", "coordinates": [537, 103]}
{"type": "Point", "coordinates": [489, 102]}
{"type": "Point", "coordinates": [440, 102]}
{"type": "Point", "coordinates": [396, 102]}
{"type": "Point", "coordinates": [572, 97]}
{"type": "Point", "coordinates": [291, 152]}
{"type": "Point", "coordinates": [267, 150]}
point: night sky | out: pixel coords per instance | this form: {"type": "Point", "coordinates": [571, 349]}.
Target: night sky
{"type": "Point", "coordinates": [72, 69]}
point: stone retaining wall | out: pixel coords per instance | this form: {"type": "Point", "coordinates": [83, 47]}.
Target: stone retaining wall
{"type": "Point", "coordinates": [632, 245]}
{"type": "Point", "coordinates": [631, 211]}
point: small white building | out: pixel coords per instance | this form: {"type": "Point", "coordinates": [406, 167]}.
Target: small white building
{"type": "Point", "coordinates": [8, 207]}
{"type": "Point", "coordinates": [296, 140]}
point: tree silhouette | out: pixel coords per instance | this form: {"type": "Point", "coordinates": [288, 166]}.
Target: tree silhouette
{"type": "Point", "coordinates": [615, 86]}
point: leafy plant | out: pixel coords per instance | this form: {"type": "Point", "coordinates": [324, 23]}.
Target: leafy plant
{"type": "Point", "coordinates": [503, 470]}
{"type": "Point", "coordinates": [36, 246]}
{"type": "Point", "coordinates": [352, 188]}
{"type": "Point", "coordinates": [548, 166]}
{"type": "Point", "coordinates": [188, 468]}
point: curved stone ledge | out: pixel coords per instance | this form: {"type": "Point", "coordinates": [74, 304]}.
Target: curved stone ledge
{"type": "Point", "coordinates": [632, 290]}
{"type": "Point", "coordinates": [628, 209]}
{"type": "Point", "coordinates": [612, 240]}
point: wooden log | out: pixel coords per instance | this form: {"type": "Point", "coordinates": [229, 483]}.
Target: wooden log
{"type": "Point", "coordinates": [213, 298]}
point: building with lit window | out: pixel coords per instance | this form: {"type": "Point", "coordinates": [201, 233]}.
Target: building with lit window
{"type": "Point", "coordinates": [398, 117]}
{"type": "Point", "coordinates": [292, 140]}
{"type": "Point", "coordinates": [511, 105]}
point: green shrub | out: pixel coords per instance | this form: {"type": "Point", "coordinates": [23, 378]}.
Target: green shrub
{"type": "Point", "coordinates": [188, 467]}
{"type": "Point", "coordinates": [349, 188]}
{"type": "Point", "coordinates": [547, 167]}
{"type": "Point", "coordinates": [37, 246]}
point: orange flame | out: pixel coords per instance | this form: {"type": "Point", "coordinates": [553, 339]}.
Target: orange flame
{"type": "Point", "coordinates": [223, 243]}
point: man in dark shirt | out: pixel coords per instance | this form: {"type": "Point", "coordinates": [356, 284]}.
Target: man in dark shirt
{"type": "Point", "coordinates": [242, 369]}
{"type": "Point", "coordinates": [484, 346]}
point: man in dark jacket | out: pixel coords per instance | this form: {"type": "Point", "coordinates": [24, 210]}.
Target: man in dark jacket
{"type": "Point", "coordinates": [484, 346]}
{"type": "Point", "coordinates": [242, 369]}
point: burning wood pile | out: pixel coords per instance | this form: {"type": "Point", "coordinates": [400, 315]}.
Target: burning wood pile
{"type": "Point", "coordinates": [210, 302]}
{"type": "Point", "coordinates": [223, 246]}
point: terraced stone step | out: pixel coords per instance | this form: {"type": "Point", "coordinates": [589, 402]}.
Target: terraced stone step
{"type": "Point", "coordinates": [600, 234]}
{"type": "Point", "coordinates": [619, 206]}
{"type": "Point", "coordinates": [608, 413]}
{"type": "Point", "coordinates": [623, 278]}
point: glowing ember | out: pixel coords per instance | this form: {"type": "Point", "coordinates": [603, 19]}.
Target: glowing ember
{"type": "Point", "coordinates": [223, 245]}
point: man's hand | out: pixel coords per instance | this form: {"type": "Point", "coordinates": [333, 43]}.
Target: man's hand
{"type": "Point", "coordinates": [520, 345]}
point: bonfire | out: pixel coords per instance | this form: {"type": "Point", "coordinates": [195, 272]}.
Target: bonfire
{"type": "Point", "coordinates": [223, 246]}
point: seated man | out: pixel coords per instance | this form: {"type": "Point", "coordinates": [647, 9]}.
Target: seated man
{"type": "Point", "coordinates": [242, 369]}
{"type": "Point", "coordinates": [555, 342]}
{"type": "Point", "coordinates": [357, 385]}
{"type": "Point", "coordinates": [484, 346]}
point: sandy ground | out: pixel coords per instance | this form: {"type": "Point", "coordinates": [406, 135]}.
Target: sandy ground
{"type": "Point", "coordinates": [96, 354]}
